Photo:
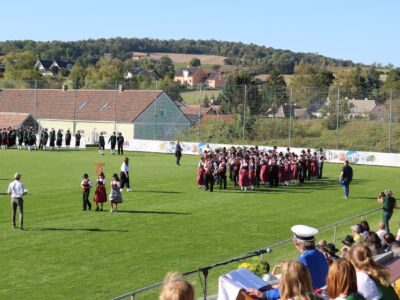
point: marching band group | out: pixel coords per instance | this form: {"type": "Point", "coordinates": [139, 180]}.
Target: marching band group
{"type": "Point", "coordinates": [249, 168]}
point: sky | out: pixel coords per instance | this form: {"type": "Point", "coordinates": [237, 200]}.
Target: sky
{"type": "Point", "coordinates": [363, 31]}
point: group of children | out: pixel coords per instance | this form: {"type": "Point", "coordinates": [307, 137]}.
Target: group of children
{"type": "Point", "coordinates": [248, 168]}
{"type": "Point", "coordinates": [100, 195]}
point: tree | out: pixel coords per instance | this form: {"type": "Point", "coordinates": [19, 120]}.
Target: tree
{"type": "Point", "coordinates": [233, 94]}
{"type": "Point", "coordinates": [337, 110]}
{"type": "Point", "coordinates": [165, 68]}
{"type": "Point", "coordinates": [194, 62]}
{"type": "Point", "coordinates": [105, 74]}
{"type": "Point", "coordinates": [274, 91]}
{"type": "Point", "coordinates": [19, 66]}
{"type": "Point", "coordinates": [77, 76]}
{"type": "Point", "coordinates": [171, 88]}
{"type": "Point", "coordinates": [309, 84]}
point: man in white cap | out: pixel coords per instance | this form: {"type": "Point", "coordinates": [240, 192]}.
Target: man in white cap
{"type": "Point", "coordinates": [16, 190]}
{"type": "Point", "coordinates": [314, 260]}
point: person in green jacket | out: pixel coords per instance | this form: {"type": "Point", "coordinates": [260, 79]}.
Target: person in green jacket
{"type": "Point", "coordinates": [389, 203]}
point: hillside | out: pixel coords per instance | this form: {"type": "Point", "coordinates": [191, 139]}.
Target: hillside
{"type": "Point", "coordinates": [179, 58]}
{"type": "Point", "coordinates": [262, 58]}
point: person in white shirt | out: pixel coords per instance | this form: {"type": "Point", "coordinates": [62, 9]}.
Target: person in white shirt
{"type": "Point", "coordinates": [381, 232]}
{"type": "Point", "coordinates": [124, 174]}
{"type": "Point", "coordinates": [16, 190]}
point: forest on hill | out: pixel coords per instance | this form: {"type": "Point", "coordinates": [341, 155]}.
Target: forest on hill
{"type": "Point", "coordinates": [88, 52]}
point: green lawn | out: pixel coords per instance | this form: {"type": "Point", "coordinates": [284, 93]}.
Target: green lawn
{"type": "Point", "coordinates": [197, 97]}
{"type": "Point", "coordinates": [165, 224]}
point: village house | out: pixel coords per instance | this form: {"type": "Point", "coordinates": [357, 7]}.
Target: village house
{"type": "Point", "coordinates": [215, 80]}
{"type": "Point", "coordinates": [137, 114]}
{"type": "Point", "coordinates": [196, 112]}
{"type": "Point", "coordinates": [191, 76]}
{"type": "Point", "coordinates": [136, 56]}
{"type": "Point", "coordinates": [361, 108]}
{"type": "Point", "coordinates": [52, 68]}
{"type": "Point", "coordinates": [17, 120]}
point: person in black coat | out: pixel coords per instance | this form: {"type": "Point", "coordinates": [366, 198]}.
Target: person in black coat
{"type": "Point", "coordinates": [77, 140]}
{"type": "Point", "coordinates": [178, 153]}
{"type": "Point", "coordinates": [68, 139]}
{"type": "Point", "coordinates": [346, 176]}
{"type": "Point", "coordinates": [113, 141]}
{"type": "Point", "coordinates": [102, 143]}
{"type": "Point", "coordinates": [59, 139]}
{"type": "Point", "coordinates": [120, 143]}
{"type": "Point", "coordinates": [52, 139]}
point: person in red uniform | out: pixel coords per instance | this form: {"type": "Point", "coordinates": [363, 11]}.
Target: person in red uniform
{"type": "Point", "coordinates": [244, 174]}
{"type": "Point", "coordinates": [100, 195]}
{"type": "Point", "coordinates": [252, 172]}
{"type": "Point", "coordinates": [200, 173]}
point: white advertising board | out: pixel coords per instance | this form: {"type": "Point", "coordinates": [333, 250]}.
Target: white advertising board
{"type": "Point", "coordinates": [334, 156]}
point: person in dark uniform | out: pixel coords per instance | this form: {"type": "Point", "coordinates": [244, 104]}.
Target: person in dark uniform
{"type": "Point", "coordinates": [68, 139]}
{"type": "Point", "coordinates": [52, 139]}
{"type": "Point", "coordinates": [41, 140]}
{"type": "Point", "coordinates": [102, 143]}
{"type": "Point", "coordinates": [222, 174]}
{"type": "Point", "coordinates": [209, 175]}
{"type": "Point", "coordinates": [45, 138]}
{"type": "Point", "coordinates": [178, 153]}
{"type": "Point", "coordinates": [120, 142]}
{"type": "Point", "coordinates": [4, 138]}
{"type": "Point", "coordinates": [274, 173]}
{"type": "Point", "coordinates": [113, 141]}
{"type": "Point", "coordinates": [77, 140]}
{"type": "Point", "coordinates": [346, 176]}
{"type": "Point", "coordinates": [20, 135]}
{"type": "Point", "coordinates": [59, 139]}
{"type": "Point", "coordinates": [30, 139]}
{"type": "Point", "coordinates": [25, 138]}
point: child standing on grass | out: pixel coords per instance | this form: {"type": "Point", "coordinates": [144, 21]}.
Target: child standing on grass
{"type": "Point", "coordinates": [115, 194]}
{"type": "Point", "coordinates": [100, 195]}
{"type": "Point", "coordinates": [86, 185]}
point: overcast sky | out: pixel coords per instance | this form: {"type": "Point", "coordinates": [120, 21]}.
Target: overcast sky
{"type": "Point", "coordinates": [363, 31]}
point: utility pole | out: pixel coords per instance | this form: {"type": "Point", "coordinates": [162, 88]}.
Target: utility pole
{"type": "Point", "coordinates": [390, 120]}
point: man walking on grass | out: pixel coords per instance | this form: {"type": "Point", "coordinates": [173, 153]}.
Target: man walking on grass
{"type": "Point", "coordinates": [346, 176]}
{"type": "Point", "coordinates": [16, 190]}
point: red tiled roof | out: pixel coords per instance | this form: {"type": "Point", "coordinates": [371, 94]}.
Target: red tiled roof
{"type": "Point", "coordinates": [13, 120]}
{"type": "Point", "coordinates": [191, 109]}
{"type": "Point", "coordinates": [69, 105]}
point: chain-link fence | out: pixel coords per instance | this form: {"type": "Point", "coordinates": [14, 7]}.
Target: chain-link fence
{"type": "Point", "coordinates": [278, 252]}
{"type": "Point", "coordinates": [312, 117]}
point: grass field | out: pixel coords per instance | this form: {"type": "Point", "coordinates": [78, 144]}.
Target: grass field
{"type": "Point", "coordinates": [181, 58]}
{"type": "Point", "coordinates": [196, 97]}
{"type": "Point", "coordinates": [165, 224]}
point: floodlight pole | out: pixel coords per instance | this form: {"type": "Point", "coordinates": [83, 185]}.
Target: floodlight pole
{"type": "Point", "coordinates": [244, 112]}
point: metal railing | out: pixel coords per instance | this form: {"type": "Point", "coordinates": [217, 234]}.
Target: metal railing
{"type": "Point", "coordinates": [203, 271]}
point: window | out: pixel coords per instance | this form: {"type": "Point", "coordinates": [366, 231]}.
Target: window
{"type": "Point", "coordinates": [82, 105]}
{"type": "Point", "coordinates": [104, 106]}
{"type": "Point", "coordinates": [162, 113]}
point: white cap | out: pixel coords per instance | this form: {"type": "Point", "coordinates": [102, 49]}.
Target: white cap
{"type": "Point", "coordinates": [304, 232]}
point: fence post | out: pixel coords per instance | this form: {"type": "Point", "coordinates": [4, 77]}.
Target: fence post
{"type": "Point", "coordinates": [290, 114]}
{"type": "Point", "coordinates": [132, 297]}
{"type": "Point", "coordinates": [390, 119]}
{"type": "Point", "coordinates": [244, 112]}
{"type": "Point", "coordinates": [337, 118]}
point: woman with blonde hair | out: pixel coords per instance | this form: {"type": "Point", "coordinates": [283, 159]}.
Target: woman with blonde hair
{"type": "Point", "coordinates": [342, 281]}
{"type": "Point", "coordinates": [176, 288]}
{"type": "Point", "coordinates": [372, 280]}
{"type": "Point", "coordinates": [294, 284]}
